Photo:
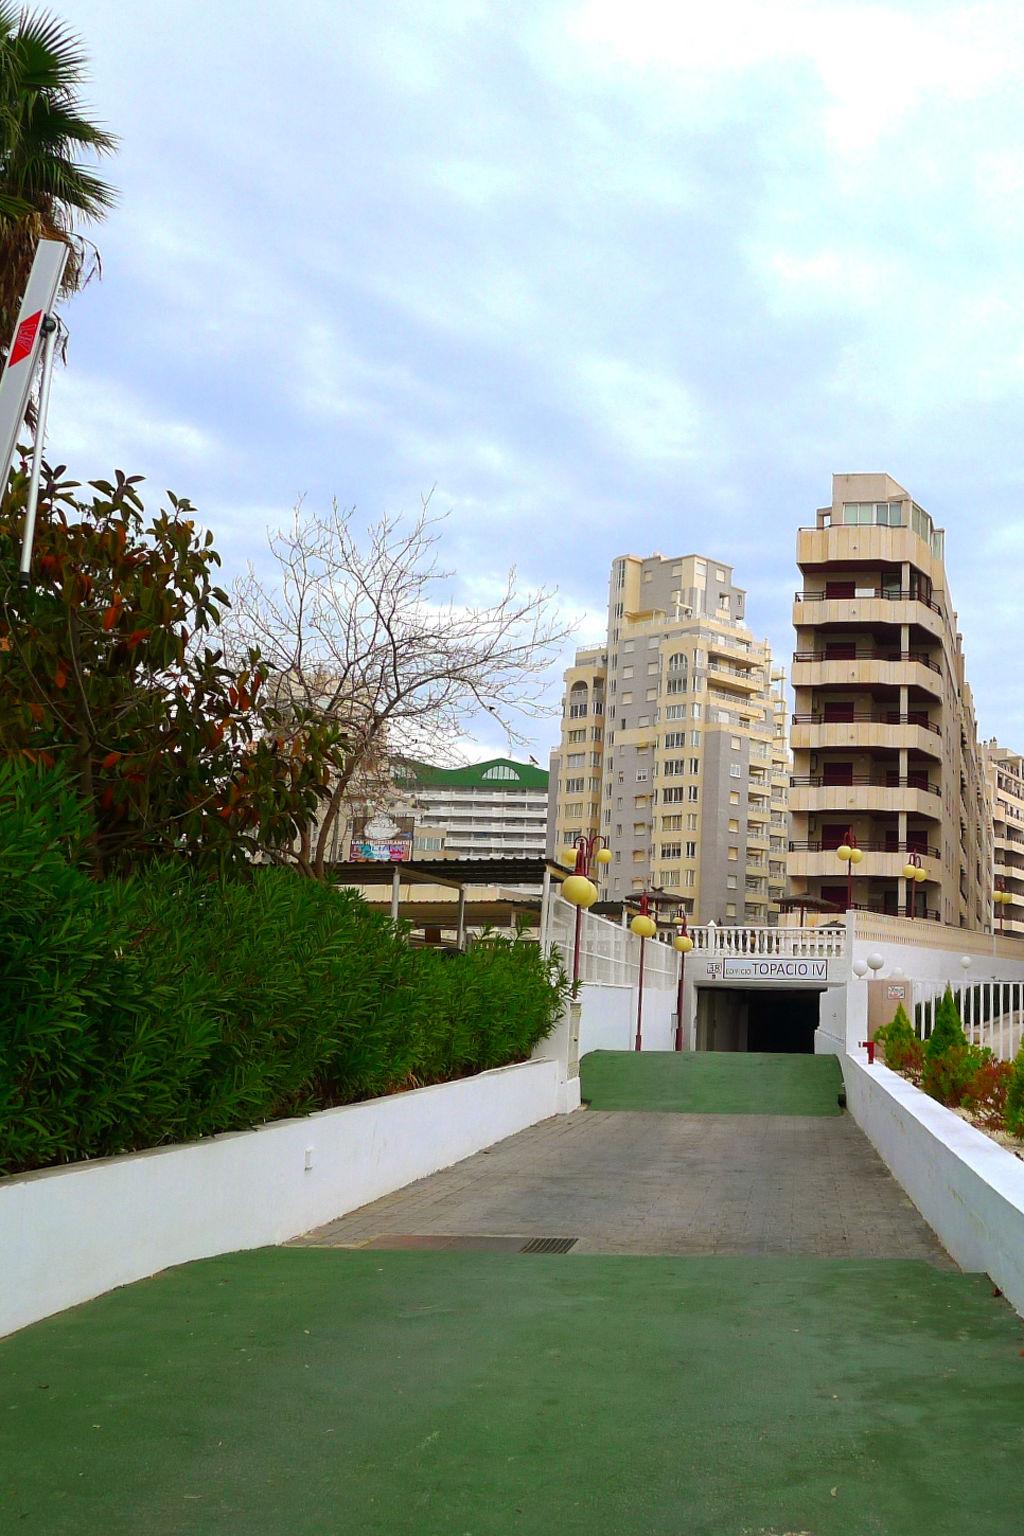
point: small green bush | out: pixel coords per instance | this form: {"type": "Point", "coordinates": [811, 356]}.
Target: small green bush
{"type": "Point", "coordinates": [947, 1031]}
{"type": "Point", "coordinates": [950, 1062]}
{"type": "Point", "coordinates": [1014, 1109]}
{"type": "Point", "coordinates": [170, 1006]}
{"type": "Point", "coordinates": [901, 1049]}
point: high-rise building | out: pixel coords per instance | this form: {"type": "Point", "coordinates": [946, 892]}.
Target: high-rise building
{"type": "Point", "coordinates": [673, 744]}
{"type": "Point", "coordinates": [1005, 772]}
{"type": "Point", "coordinates": [491, 810]}
{"type": "Point", "coordinates": [884, 738]}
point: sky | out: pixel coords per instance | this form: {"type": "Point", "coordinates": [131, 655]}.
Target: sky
{"type": "Point", "coordinates": [607, 277]}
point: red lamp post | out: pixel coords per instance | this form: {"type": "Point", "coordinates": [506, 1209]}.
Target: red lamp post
{"type": "Point", "coordinates": [644, 926]}
{"type": "Point", "coordinates": [913, 873]}
{"type": "Point", "coordinates": [580, 890]}
{"type": "Point", "coordinates": [850, 855]}
{"type": "Point", "coordinates": [683, 944]}
{"type": "Point", "coordinates": [1002, 896]}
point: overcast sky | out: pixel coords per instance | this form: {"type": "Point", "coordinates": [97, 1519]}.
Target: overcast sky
{"type": "Point", "coordinates": [612, 276]}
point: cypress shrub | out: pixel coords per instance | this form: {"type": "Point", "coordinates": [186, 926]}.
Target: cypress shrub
{"type": "Point", "coordinates": [901, 1048]}
{"type": "Point", "coordinates": [169, 1006]}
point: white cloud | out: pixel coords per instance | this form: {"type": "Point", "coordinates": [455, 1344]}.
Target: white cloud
{"type": "Point", "coordinates": [101, 424]}
{"type": "Point", "coordinates": [650, 414]}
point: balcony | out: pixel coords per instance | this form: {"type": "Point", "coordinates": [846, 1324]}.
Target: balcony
{"type": "Point", "coordinates": [875, 605]}
{"type": "Point", "coordinates": [810, 861]}
{"type": "Point", "coordinates": [867, 793]}
{"type": "Point", "coordinates": [741, 678]}
{"type": "Point", "coordinates": [866, 729]}
{"type": "Point", "coordinates": [867, 669]}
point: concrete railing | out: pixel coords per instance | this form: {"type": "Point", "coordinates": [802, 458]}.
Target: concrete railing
{"type": "Point", "coordinates": [790, 943]}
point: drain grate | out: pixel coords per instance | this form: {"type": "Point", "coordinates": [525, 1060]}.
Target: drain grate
{"type": "Point", "coordinates": [549, 1245]}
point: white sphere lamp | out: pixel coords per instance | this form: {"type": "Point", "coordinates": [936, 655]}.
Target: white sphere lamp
{"type": "Point", "coordinates": [875, 961]}
{"type": "Point", "coordinates": [860, 968]}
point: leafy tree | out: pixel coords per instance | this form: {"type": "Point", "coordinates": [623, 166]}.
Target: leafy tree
{"type": "Point", "coordinates": [107, 671]}
{"type": "Point", "coordinates": [45, 190]}
{"type": "Point", "coordinates": [361, 632]}
{"type": "Point", "coordinates": [1015, 1096]}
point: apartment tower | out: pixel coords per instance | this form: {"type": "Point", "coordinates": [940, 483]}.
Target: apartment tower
{"type": "Point", "coordinates": [674, 745]}
{"type": "Point", "coordinates": [1005, 772]}
{"type": "Point", "coordinates": [884, 738]}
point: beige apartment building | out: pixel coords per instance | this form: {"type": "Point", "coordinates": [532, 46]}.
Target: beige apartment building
{"type": "Point", "coordinates": [1005, 773]}
{"type": "Point", "coordinates": [674, 745]}
{"type": "Point", "coordinates": [884, 738]}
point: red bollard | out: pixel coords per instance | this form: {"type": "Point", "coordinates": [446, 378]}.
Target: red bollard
{"type": "Point", "coordinates": [871, 1051]}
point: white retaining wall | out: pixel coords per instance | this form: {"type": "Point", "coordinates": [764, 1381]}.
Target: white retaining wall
{"type": "Point", "coordinates": [969, 1190]}
{"type": "Point", "coordinates": [67, 1234]}
{"type": "Point", "coordinates": [608, 1018]}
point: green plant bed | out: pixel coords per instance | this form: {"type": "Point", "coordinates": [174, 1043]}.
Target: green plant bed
{"type": "Point", "coordinates": [712, 1082]}
{"type": "Point", "coordinates": [170, 1006]}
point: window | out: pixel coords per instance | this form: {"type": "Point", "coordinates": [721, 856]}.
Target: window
{"type": "Point", "coordinates": [734, 798]}
{"type": "Point", "coordinates": [651, 695]}
{"type": "Point", "coordinates": [693, 792]}
{"type": "Point", "coordinates": [653, 666]}
{"type": "Point", "coordinates": [695, 765]}
{"type": "Point", "coordinates": [641, 776]}
{"type": "Point", "coordinates": [676, 685]}
{"type": "Point", "coordinates": [695, 711]}
{"type": "Point", "coordinates": [674, 767]}
{"type": "Point", "coordinates": [691, 850]}
{"type": "Point", "coordinates": [695, 738]}
{"type": "Point", "coordinates": [691, 821]}
{"type": "Point", "coordinates": [574, 786]}
{"type": "Point", "coordinates": [734, 825]}
{"type": "Point", "coordinates": [675, 712]}
{"type": "Point", "coordinates": [673, 796]}
{"type": "Point", "coordinates": [575, 736]}
{"type": "Point", "coordinates": [574, 760]}
{"type": "Point", "coordinates": [670, 850]}
{"type": "Point", "coordinates": [671, 823]}
{"type": "Point", "coordinates": [720, 575]}
{"type": "Point", "coordinates": [628, 646]}
{"type": "Point", "coordinates": [675, 739]}
{"type": "Point", "coordinates": [627, 672]}
{"type": "Point", "coordinates": [677, 662]}
{"type": "Point", "coordinates": [734, 742]}
{"type": "Point", "coordinates": [733, 855]}
{"type": "Point", "coordinates": [735, 770]}
{"type": "Point", "coordinates": [730, 882]}
{"type": "Point", "coordinates": [627, 698]}
{"type": "Point", "coordinates": [688, 877]}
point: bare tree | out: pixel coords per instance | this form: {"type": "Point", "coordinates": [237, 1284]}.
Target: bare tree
{"type": "Point", "coordinates": [363, 633]}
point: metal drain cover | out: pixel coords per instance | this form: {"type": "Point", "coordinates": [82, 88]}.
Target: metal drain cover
{"type": "Point", "coordinates": [549, 1245]}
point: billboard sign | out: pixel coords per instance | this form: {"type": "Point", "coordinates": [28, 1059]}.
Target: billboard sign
{"type": "Point", "coordinates": [381, 839]}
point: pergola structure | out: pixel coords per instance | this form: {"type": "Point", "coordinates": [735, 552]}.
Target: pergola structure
{"type": "Point", "coordinates": [500, 902]}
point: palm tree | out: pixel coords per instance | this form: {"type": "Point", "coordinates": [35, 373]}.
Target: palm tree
{"type": "Point", "coordinates": [44, 190]}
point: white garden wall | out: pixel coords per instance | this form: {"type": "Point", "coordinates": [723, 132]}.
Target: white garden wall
{"type": "Point", "coordinates": [969, 1190]}
{"type": "Point", "coordinates": [67, 1234]}
{"type": "Point", "coordinates": [608, 1018]}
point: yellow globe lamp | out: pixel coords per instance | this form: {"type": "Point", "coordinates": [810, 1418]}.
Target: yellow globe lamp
{"type": "Point", "coordinates": [683, 943]}
{"type": "Point", "coordinates": [855, 855]}
{"type": "Point", "coordinates": [910, 871]}
{"type": "Point", "coordinates": [644, 927]}
{"type": "Point", "coordinates": [920, 874]}
{"type": "Point", "coordinates": [603, 855]}
{"type": "Point", "coordinates": [580, 891]}
{"type": "Point", "coordinates": [844, 852]}
{"type": "Point", "coordinates": [567, 856]}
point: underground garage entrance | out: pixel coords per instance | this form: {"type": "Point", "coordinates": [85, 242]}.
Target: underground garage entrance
{"type": "Point", "coordinates": [757, 1018]}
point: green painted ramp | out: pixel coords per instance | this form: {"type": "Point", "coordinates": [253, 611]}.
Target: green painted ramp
{"type": "Point", "coordinates": [305, 1392]}
{"type": "Point", "coordinates": [712, 1082]}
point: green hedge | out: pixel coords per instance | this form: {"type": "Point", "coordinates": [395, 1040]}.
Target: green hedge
{"type": "Point", "coordinates": [168, 1006]}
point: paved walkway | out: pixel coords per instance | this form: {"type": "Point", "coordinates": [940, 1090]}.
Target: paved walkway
{"type": "Point", "coordinates": [662, 1184]}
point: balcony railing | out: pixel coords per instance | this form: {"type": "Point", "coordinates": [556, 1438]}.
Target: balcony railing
{"type": "Point", "coordinates": [860, 655]}
{"type": "Point", "coordinates": [870, 719]}
{"type": "Point", "coordinates": [815, 781]}
{"type": "Point", "coordinates": [924, 849]}
{"type": "Point", "coordinates": [891, 594]}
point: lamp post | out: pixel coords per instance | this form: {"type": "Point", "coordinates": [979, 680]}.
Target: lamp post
{"type": "Point", "coordinates": [850, 855]}
{"type": "Point", "coordinates": [1001, 896]}
{"type": "Point", "coordinates": [913, 874]}
{"type": "Point", "coordinates": [580, 890]}
{"type": "Point", "coordinates": [644, 926]}
{"type": "Point", "coordinates": [683, 944]}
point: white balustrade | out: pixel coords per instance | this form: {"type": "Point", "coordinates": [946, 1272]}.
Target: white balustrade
{"type": "Point", "coordinates": [992, 1012]}
{"type": "Point", "coordinates": [800, 943]}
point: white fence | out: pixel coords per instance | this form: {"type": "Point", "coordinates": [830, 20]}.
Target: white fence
{"type": "Point", "coordinates": [792, 943]}
{"type": "Point", "coordinates": [992, 1012]}
{"type": "Point", "coordinates": [609, 954]}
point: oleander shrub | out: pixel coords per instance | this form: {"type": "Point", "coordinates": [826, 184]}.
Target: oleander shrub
{"type": "Point", "coordinates": [171, 1005]}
